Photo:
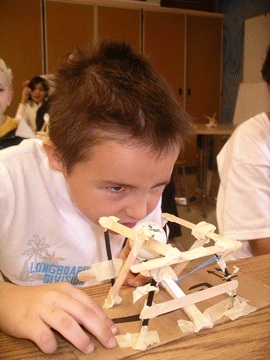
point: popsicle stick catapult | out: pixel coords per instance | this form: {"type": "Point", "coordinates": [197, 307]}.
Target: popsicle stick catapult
{"type": "Point", "coordinates": [159, 259]}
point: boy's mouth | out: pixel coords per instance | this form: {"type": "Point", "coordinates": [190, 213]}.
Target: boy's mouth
{"type": "Point", "coordinates": [129, 224]}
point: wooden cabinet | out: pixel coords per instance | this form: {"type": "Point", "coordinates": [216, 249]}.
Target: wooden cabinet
{"type": "Point", "coordinates": [164, 43]}
{"type": "Point", "coordinates": [67, 24]}
{"type": "Point", "coordinates": [187, 50]}
{"type": "Point", "coordinates": [203, 72]}
{"type": "Point", "coordinates": [21, 43]}
{"type": "Point", "coordinates": [120, 23]}
{"type": "Point", "coordinates": [184, 45]}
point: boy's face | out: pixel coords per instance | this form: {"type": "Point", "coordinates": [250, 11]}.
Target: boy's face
{"type": "Point", "coordinates": [120, 180]}
{"type": "Point", "coordinates": [5, 94]}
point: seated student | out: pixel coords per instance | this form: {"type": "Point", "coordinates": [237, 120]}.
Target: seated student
{"type": "Point", "coordinates": [115, 132]}
{"type": "Point", "coordinates": [34, 97]}
{"type": "Point", "coordinates": [8, 125]}
{"type": "Point", "coordinates": [243, 203]}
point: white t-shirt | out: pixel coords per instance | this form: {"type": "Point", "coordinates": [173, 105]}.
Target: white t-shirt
{"type": "Point", "coordinates": [28, 112]}
{"type": "Point", "coordinates": [44, 237]}
{"type": "Point", "coordinates": [243, 203]}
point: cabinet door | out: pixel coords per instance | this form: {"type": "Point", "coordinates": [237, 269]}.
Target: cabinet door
{"type": "Point", "coordinates": [204, 71]}
{"type": "Point", "coordinates": [20, 43]}
{"type": "Point", "coordinates": [164, 44]}
{"type": "Point", "coordinates": [67, 24]}
{"type": "Point", "coordinates": [121, 24]}
{"type": "Point", "coordinates": [204, 44]}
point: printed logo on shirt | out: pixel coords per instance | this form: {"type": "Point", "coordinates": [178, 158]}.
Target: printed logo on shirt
{"type": "Point", "coordinates": [41, 265]}
{"type": "Point", "coordinates": [58, 273]}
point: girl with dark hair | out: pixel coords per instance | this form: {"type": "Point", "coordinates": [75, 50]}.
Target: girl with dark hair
{"type": "Point", "coordinates": [34, 97]}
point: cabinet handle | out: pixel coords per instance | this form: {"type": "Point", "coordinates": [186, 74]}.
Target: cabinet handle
{"type": "Point", "coordinates": [189, 92]}
{"type": "Point", "coordinates": [180, 91]}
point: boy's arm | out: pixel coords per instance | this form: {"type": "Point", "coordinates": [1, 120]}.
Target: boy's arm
{"type": "Point", "coordinates": [31, 311]}
{"type": "Point", "coordinates": [260, 246]}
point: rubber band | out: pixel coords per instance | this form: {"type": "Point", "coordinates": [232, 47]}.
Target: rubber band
{"type": "Point", "coordinates": [209, 261]}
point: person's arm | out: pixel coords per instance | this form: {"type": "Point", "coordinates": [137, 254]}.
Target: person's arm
{"type": "Point", "coordinates": [25, 92]}
{"type": "Point", "coordinates": [25, 96]}
{"type": "Point", "coordinates": [31, 311]}
{"type": "Point", "coordinates": [260, 246]}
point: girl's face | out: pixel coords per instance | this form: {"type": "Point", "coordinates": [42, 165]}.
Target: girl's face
{"type": "Point", "coordinates": [38, 94]}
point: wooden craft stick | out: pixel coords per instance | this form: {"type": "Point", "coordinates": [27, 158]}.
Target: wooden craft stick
{"type": "Point", "coordinates": [151, 244]}
{"type": "Point", "coordinates": [184, 301]}
{"type": "Point", "coordinates": [138, 242]}
{"type": "Point", "coordinates": [199, 320]}
{"type": "Point", "coordinates": [161, 262]}
{"type": "Point", "coordinates": [175, 291]}
{"type": "Point", "coordinates": [178, 220]}
{"type": "Point", "coordinates": [104, 270]}
{"type": "Point", "coordinates": [181, 266]}
{"type": "Point", "coordinates": [178, 268]}
{"type": "Point", "coordinates": [86, 275]}
{"type": "Point", "coordinates": [227, 242]}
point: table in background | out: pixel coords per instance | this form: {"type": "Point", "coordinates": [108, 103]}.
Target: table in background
{"type": "Point", "coordinates": [207, 137]}
{"type": "Point", "coordinates": [244, 338]}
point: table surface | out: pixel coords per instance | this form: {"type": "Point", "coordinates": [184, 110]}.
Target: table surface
{"type": "Point", "coordinates": [244, 338]}
{"type": "Point", "coordinates": [220, 129]}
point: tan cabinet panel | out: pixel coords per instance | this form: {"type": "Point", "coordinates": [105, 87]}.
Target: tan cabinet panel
{"type": "Point", "coordinates": [204, 72]}
{"type": "Point", "coordinates": [67, 24]}
{"type": "Point", "coordinates": [164, 43]}
{"type": "Point", "coordinates": [21, 43]}
{"type": "Point", "coordinates": [121, 24]}
{"type": "Point", "coordinates": [204, 44]}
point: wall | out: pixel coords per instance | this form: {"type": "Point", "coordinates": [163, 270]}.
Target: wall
{"type": "Point", "coordinates": [256, 41]}
{"type": "Point", "coordinates": [236, 11]}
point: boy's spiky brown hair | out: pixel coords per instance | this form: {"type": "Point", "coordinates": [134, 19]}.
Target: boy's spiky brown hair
{"type": "Point", "coordinates": [114, 93]}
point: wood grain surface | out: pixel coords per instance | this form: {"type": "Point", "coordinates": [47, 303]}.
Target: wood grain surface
{"type": "Point", "coordinates": [244, 338]}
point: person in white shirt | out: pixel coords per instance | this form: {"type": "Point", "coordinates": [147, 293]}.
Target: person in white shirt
{"type": "Point", "coordinates": [34, 95]}
{"type": "Point", "coordinates": [243, 202]}
{"type": "Point", "coordinates": [115, 132]}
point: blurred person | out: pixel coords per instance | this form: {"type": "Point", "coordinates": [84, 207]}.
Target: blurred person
{"type": "Point", "coordinates": [34, 97]}
{"type": "Point", "coordinates": [243, 202]}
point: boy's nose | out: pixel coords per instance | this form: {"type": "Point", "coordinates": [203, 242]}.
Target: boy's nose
{"type": "Point", "coordinates": [137, 210]}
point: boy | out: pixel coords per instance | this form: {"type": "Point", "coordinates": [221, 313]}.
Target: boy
{"type": "Point", "coordinates": [115, 132]}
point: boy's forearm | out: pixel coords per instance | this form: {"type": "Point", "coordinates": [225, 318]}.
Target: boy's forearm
{"type": "Point", "coordinates": [5, 287]}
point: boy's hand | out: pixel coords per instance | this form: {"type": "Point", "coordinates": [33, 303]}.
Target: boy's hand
{"type": "Point", "coordinates": [132, 279]}
{"type": "Point", "coordinates": [31, 311]}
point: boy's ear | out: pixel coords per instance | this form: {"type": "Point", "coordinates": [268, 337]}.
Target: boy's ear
{"type": "Point", "coordinates": [268, 89]}
{"type": "Point", "coordinates": [54, 158]}
{"type": "Point", "coordinates": [11, 94]}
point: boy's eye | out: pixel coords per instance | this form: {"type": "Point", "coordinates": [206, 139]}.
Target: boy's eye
{"type": "Point", "coordinates": [117, 189]}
